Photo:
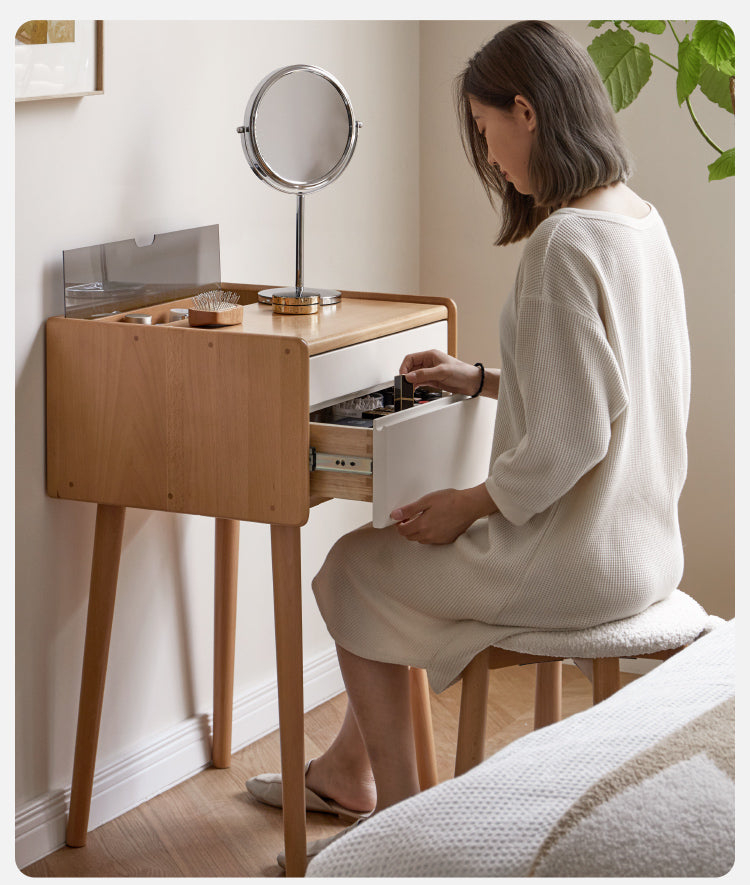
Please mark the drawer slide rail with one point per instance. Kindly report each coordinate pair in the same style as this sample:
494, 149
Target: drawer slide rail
332, 463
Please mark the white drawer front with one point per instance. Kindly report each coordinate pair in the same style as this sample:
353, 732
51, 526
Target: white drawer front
360, 368
444, 444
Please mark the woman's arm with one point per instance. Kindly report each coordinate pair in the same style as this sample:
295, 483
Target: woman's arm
433, 368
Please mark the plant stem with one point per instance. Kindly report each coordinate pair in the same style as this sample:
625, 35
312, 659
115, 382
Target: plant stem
654, 55
687, 100
671, 28
700, 128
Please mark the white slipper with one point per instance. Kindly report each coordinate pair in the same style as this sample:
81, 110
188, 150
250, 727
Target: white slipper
314, 848
266, 788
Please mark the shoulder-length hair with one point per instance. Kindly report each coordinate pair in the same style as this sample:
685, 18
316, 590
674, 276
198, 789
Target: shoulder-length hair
577, 145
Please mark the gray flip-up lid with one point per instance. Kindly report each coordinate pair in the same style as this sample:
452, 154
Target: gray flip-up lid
124, 276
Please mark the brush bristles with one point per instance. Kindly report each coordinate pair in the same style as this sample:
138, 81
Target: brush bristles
215, 299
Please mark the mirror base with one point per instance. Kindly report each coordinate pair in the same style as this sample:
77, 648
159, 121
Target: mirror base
325, 296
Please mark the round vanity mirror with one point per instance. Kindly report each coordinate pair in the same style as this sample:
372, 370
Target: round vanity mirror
298, 136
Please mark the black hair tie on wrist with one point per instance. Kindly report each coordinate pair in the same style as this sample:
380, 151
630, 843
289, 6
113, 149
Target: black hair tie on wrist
481, 383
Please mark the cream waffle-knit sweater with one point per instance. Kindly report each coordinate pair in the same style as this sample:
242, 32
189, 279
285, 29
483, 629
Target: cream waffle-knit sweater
588, 461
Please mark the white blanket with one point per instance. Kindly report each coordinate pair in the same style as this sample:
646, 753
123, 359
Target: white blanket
639, 785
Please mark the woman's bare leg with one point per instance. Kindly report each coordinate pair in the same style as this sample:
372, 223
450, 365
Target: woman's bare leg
375, 745
379, 695
343, 772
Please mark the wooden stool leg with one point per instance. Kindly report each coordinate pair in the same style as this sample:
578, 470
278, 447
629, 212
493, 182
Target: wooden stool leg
287, 599
424, 739
226, 556
606, 678
548, 697
105, 564
472, 719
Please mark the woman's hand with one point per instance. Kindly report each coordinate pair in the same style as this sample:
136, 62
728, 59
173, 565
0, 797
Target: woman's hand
440, 517
433, 368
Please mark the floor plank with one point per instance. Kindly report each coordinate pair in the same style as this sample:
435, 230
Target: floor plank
209, 826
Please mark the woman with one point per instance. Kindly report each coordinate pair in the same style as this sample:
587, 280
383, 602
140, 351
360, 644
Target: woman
576, 524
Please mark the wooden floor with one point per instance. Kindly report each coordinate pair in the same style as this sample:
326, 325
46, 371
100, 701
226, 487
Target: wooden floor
209, 826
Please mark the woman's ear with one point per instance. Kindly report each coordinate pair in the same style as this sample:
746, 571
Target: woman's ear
522, 106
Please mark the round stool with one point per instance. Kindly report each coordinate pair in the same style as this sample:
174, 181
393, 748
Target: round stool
659, 632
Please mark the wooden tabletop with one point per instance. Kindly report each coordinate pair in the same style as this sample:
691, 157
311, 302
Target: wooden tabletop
340, 325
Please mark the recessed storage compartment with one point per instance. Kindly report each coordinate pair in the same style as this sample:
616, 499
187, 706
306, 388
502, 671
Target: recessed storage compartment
445, 443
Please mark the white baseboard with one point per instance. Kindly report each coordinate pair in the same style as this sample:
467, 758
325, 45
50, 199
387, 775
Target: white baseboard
163, 762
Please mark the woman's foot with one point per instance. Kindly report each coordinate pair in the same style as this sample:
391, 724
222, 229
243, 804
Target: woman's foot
267, 788
346, 784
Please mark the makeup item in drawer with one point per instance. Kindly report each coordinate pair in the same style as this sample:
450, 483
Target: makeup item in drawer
353, 422
378, 413
354, 408
426, 395
387, 394
403, 393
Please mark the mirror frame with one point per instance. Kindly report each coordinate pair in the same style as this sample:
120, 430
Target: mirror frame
253, 153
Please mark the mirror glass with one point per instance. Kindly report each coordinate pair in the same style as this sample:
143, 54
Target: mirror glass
302, 127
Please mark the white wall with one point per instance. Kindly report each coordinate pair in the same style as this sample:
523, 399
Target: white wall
159, 152
458, 260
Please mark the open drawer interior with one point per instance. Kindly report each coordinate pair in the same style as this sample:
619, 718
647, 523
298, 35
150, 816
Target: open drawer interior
392, 457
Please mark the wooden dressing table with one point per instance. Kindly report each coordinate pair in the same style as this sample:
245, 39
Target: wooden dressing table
216, 422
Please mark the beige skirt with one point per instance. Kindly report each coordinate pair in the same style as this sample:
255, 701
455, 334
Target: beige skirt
434, 607
387, 599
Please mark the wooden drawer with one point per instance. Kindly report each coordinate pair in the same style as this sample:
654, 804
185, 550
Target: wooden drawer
444, 444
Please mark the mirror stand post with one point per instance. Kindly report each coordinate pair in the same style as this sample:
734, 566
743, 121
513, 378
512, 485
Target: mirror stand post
299, 299
300, 241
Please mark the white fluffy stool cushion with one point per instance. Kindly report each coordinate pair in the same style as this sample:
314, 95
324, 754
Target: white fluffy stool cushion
673, 622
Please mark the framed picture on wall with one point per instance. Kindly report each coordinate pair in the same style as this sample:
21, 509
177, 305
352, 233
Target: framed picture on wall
59, 59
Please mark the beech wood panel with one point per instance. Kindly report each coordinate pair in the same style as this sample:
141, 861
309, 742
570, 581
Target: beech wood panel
350, 322
106, 413
238, 434
340, 439
447, 303
411, 310
198, 422
361, 316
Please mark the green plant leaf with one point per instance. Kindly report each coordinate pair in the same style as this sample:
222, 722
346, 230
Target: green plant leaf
715, 40
624, 66
598, 24
715, 86
723, 167
654, 26
688, 69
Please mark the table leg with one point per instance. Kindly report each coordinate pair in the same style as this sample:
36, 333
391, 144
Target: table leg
287, 598
226, 557
424, 738
105, 564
